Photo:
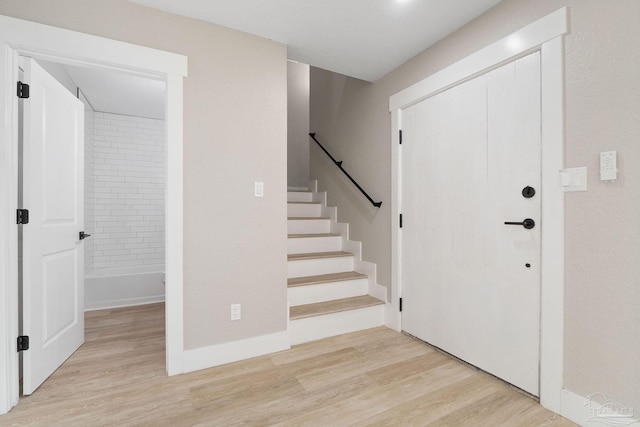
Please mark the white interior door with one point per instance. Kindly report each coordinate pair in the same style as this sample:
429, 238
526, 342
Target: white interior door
53, 259
471, 283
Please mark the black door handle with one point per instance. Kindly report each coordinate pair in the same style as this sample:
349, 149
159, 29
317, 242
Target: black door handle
527, 223
84, 235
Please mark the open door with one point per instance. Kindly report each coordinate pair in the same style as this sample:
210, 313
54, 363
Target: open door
53, 253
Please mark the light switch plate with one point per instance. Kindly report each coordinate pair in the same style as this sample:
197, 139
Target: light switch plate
573, 179
608, 166
236, 311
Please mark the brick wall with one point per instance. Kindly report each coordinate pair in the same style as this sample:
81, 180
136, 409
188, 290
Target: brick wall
128, 167
88, 187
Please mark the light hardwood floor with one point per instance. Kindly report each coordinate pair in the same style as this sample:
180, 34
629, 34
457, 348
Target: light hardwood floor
372, 378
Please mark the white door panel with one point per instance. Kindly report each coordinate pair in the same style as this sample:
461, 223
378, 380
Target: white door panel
53, 254
466, 156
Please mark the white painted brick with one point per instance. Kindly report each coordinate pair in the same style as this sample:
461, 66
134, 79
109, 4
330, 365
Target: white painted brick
125, 166
104, 264
122, 257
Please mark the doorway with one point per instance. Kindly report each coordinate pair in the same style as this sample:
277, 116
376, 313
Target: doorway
122, 240
25, 38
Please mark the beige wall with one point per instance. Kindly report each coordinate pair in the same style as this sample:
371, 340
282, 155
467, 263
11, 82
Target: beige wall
602, 315
235, 133
297, 124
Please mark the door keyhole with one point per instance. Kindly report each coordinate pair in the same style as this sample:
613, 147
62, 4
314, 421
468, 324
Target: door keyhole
528, 192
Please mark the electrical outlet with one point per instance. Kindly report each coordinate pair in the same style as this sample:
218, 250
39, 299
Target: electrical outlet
236, 311
258, 189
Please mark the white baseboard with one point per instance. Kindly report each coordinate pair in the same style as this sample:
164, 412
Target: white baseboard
221, 354
121, 303
578, 409
130, 288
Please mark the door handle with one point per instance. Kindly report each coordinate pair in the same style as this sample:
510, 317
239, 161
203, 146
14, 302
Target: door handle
84, 235
527, 223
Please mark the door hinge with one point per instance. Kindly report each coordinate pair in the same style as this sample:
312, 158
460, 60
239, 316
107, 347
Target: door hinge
23, 90
400, 304
400, 220
23, 343
22, 216
400, 136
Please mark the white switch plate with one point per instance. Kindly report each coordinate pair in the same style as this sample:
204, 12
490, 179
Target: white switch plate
236, 311
608, 166
573, 179
258, 189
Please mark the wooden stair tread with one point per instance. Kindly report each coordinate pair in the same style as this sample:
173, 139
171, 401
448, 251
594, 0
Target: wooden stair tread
302, 236
303, 203
317, 255
324, 278
298, 191
335, 306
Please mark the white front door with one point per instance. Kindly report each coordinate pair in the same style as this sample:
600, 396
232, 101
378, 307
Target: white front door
470, 282
53, 254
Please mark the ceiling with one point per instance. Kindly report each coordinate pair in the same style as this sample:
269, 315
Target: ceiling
112, 92
365, 39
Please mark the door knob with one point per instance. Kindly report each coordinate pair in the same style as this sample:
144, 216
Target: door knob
84, 235
527, 223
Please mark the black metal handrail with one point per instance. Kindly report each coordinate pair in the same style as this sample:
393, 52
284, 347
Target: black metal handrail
339, 164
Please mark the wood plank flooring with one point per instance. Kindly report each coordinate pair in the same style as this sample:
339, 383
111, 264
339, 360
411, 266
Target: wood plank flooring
371, 378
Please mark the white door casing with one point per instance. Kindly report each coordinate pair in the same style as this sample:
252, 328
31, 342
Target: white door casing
59, 45
53, 254
470, 282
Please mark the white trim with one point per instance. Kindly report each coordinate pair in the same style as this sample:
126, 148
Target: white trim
174, 228
57, 44
9, 375
575, 408
46, 42
545, 35
393, 317
504, 50
221, 354
552, 216
124, 302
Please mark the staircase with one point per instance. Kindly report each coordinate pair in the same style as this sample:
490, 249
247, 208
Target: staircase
331, 291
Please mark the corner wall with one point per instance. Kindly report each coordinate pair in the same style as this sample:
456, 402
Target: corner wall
297, 124
602, 237
235, 133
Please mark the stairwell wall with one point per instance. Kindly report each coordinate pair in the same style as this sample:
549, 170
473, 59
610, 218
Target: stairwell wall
235, 133
602, 238
297, 124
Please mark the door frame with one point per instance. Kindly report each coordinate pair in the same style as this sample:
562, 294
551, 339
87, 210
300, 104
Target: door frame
546, 36
25, 38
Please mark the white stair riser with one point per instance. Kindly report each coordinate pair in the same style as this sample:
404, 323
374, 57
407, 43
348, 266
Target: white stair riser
314, 267
303, 209
308, 226
330, 325
321, 292
302, 245
299, 196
